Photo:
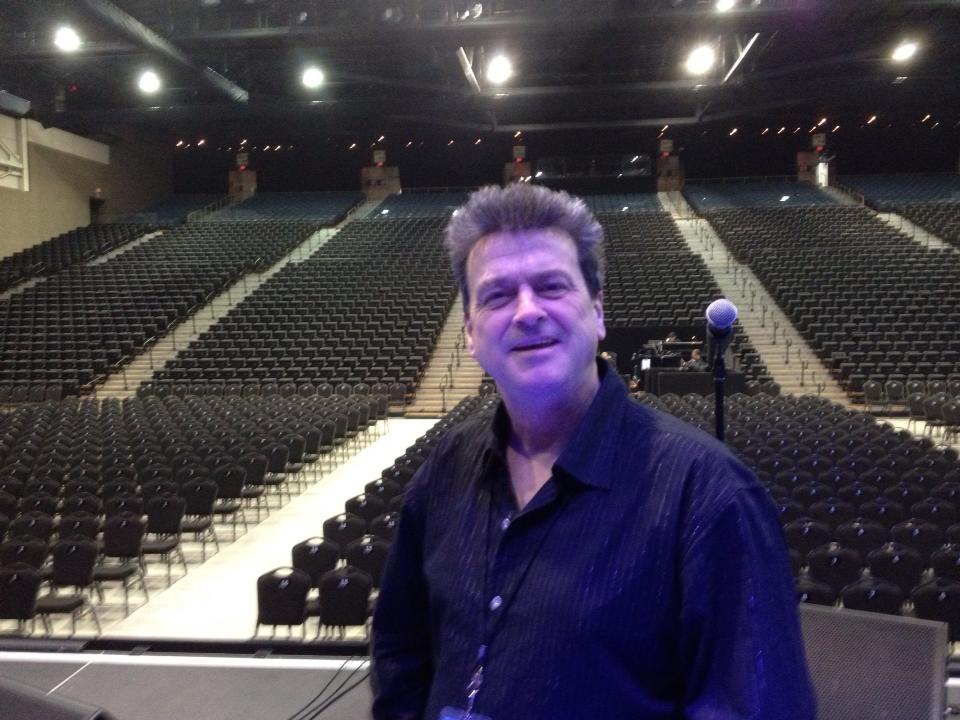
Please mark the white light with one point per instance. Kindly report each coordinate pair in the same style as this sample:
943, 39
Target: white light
900, 79
835, 128
624, 208
782, 130
733, 132
201, 142
243, 142
725, 5
765, 131
477, 141
784, 198
312, 77
149, 81
277, 147
384, 212
925, 118
66, 39
871, 119
517, 134
634, 158
664, 128
381, 138
822, 121
700, 60
904, 51
352, 146
179, 143
499, 70
539, 173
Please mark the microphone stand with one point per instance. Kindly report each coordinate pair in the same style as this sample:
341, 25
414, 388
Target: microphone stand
719, 378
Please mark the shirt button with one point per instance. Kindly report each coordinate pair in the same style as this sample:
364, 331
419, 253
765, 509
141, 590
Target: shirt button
496, 603
505, 523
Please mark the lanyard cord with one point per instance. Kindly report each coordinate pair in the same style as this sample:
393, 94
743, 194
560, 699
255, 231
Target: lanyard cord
490, 630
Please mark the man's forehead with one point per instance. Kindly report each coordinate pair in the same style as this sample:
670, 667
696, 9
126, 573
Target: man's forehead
549, 241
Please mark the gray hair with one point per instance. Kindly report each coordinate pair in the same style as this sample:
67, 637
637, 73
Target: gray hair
520, 206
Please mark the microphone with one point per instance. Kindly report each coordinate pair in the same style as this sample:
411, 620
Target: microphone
721, 314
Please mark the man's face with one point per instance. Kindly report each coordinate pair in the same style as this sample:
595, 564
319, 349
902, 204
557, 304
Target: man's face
531, 322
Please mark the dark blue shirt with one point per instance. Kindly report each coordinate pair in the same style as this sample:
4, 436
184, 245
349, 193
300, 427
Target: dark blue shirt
647, 580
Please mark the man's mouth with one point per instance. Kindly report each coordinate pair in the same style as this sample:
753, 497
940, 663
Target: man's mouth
537, 344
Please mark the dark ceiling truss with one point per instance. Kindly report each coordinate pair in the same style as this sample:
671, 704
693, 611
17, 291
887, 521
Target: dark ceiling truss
600, 65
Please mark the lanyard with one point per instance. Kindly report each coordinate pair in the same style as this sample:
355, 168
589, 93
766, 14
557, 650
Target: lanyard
497, 615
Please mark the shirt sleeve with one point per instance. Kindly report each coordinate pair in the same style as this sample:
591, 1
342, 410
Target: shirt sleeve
401, 646
740, 641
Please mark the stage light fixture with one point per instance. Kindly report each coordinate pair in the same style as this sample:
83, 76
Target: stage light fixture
700, 60
904, 51
312, 77
66, 39
149, 82
499, 70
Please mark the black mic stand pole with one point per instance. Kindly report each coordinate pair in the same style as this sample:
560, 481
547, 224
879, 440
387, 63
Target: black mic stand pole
719, 378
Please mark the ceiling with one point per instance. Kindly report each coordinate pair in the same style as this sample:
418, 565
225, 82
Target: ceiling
592, 64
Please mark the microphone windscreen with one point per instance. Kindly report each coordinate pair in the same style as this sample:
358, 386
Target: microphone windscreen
721, 314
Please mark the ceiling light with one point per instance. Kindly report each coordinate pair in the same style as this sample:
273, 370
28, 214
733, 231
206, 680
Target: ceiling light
624, 208
765, 131
243, 142
900, 79
201, 142
871, 119
784, 198
179, 143
352, 146
66, 39
904, 51
925, 118
539, 173
477, 141
822, 121
149, 81
516, 134
782, 130
312, 77
381, 138
725, 5
499, 70
664, 128
700, 60
733, 132
835, 128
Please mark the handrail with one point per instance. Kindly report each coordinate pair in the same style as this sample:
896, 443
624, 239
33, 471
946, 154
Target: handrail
732, 180
218, 204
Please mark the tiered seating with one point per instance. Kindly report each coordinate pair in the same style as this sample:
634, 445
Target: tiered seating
66, 250
174, 210
64, 334
322, 208
930, 200
69, 468
707, 197
622, 202
888, 192
367, 307
871, 303
653, 280
420, 204
869, 512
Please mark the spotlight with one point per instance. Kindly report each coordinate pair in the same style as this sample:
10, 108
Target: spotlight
701, 59
725, 5
872, 119
66, 39
312, 77
201, 142
149, 81
904, 51
733, 132
499, 70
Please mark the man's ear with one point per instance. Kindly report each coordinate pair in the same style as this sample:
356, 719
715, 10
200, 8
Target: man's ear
468, 331
598, 308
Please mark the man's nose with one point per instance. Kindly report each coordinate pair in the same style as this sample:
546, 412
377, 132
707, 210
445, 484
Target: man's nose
529, 309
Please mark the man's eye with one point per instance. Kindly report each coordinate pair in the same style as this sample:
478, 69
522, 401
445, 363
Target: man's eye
553, 289
495, 298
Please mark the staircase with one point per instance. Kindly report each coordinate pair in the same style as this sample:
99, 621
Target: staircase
790, 361
451, 374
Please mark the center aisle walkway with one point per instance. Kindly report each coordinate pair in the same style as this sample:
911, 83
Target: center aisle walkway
218, 600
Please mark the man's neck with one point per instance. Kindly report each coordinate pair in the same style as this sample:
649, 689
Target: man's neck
540, 428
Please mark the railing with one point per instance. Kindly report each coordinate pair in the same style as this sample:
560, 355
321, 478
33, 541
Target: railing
226, 201
740, 180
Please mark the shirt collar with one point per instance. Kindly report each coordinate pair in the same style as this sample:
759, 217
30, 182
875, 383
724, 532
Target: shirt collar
586, 456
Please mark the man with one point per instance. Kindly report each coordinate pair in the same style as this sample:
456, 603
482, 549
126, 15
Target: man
696, 363
574, 554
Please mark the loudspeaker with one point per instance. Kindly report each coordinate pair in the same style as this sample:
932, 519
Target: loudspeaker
25, 702
868, 665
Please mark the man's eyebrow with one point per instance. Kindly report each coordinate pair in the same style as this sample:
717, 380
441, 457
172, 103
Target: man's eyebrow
508, 280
